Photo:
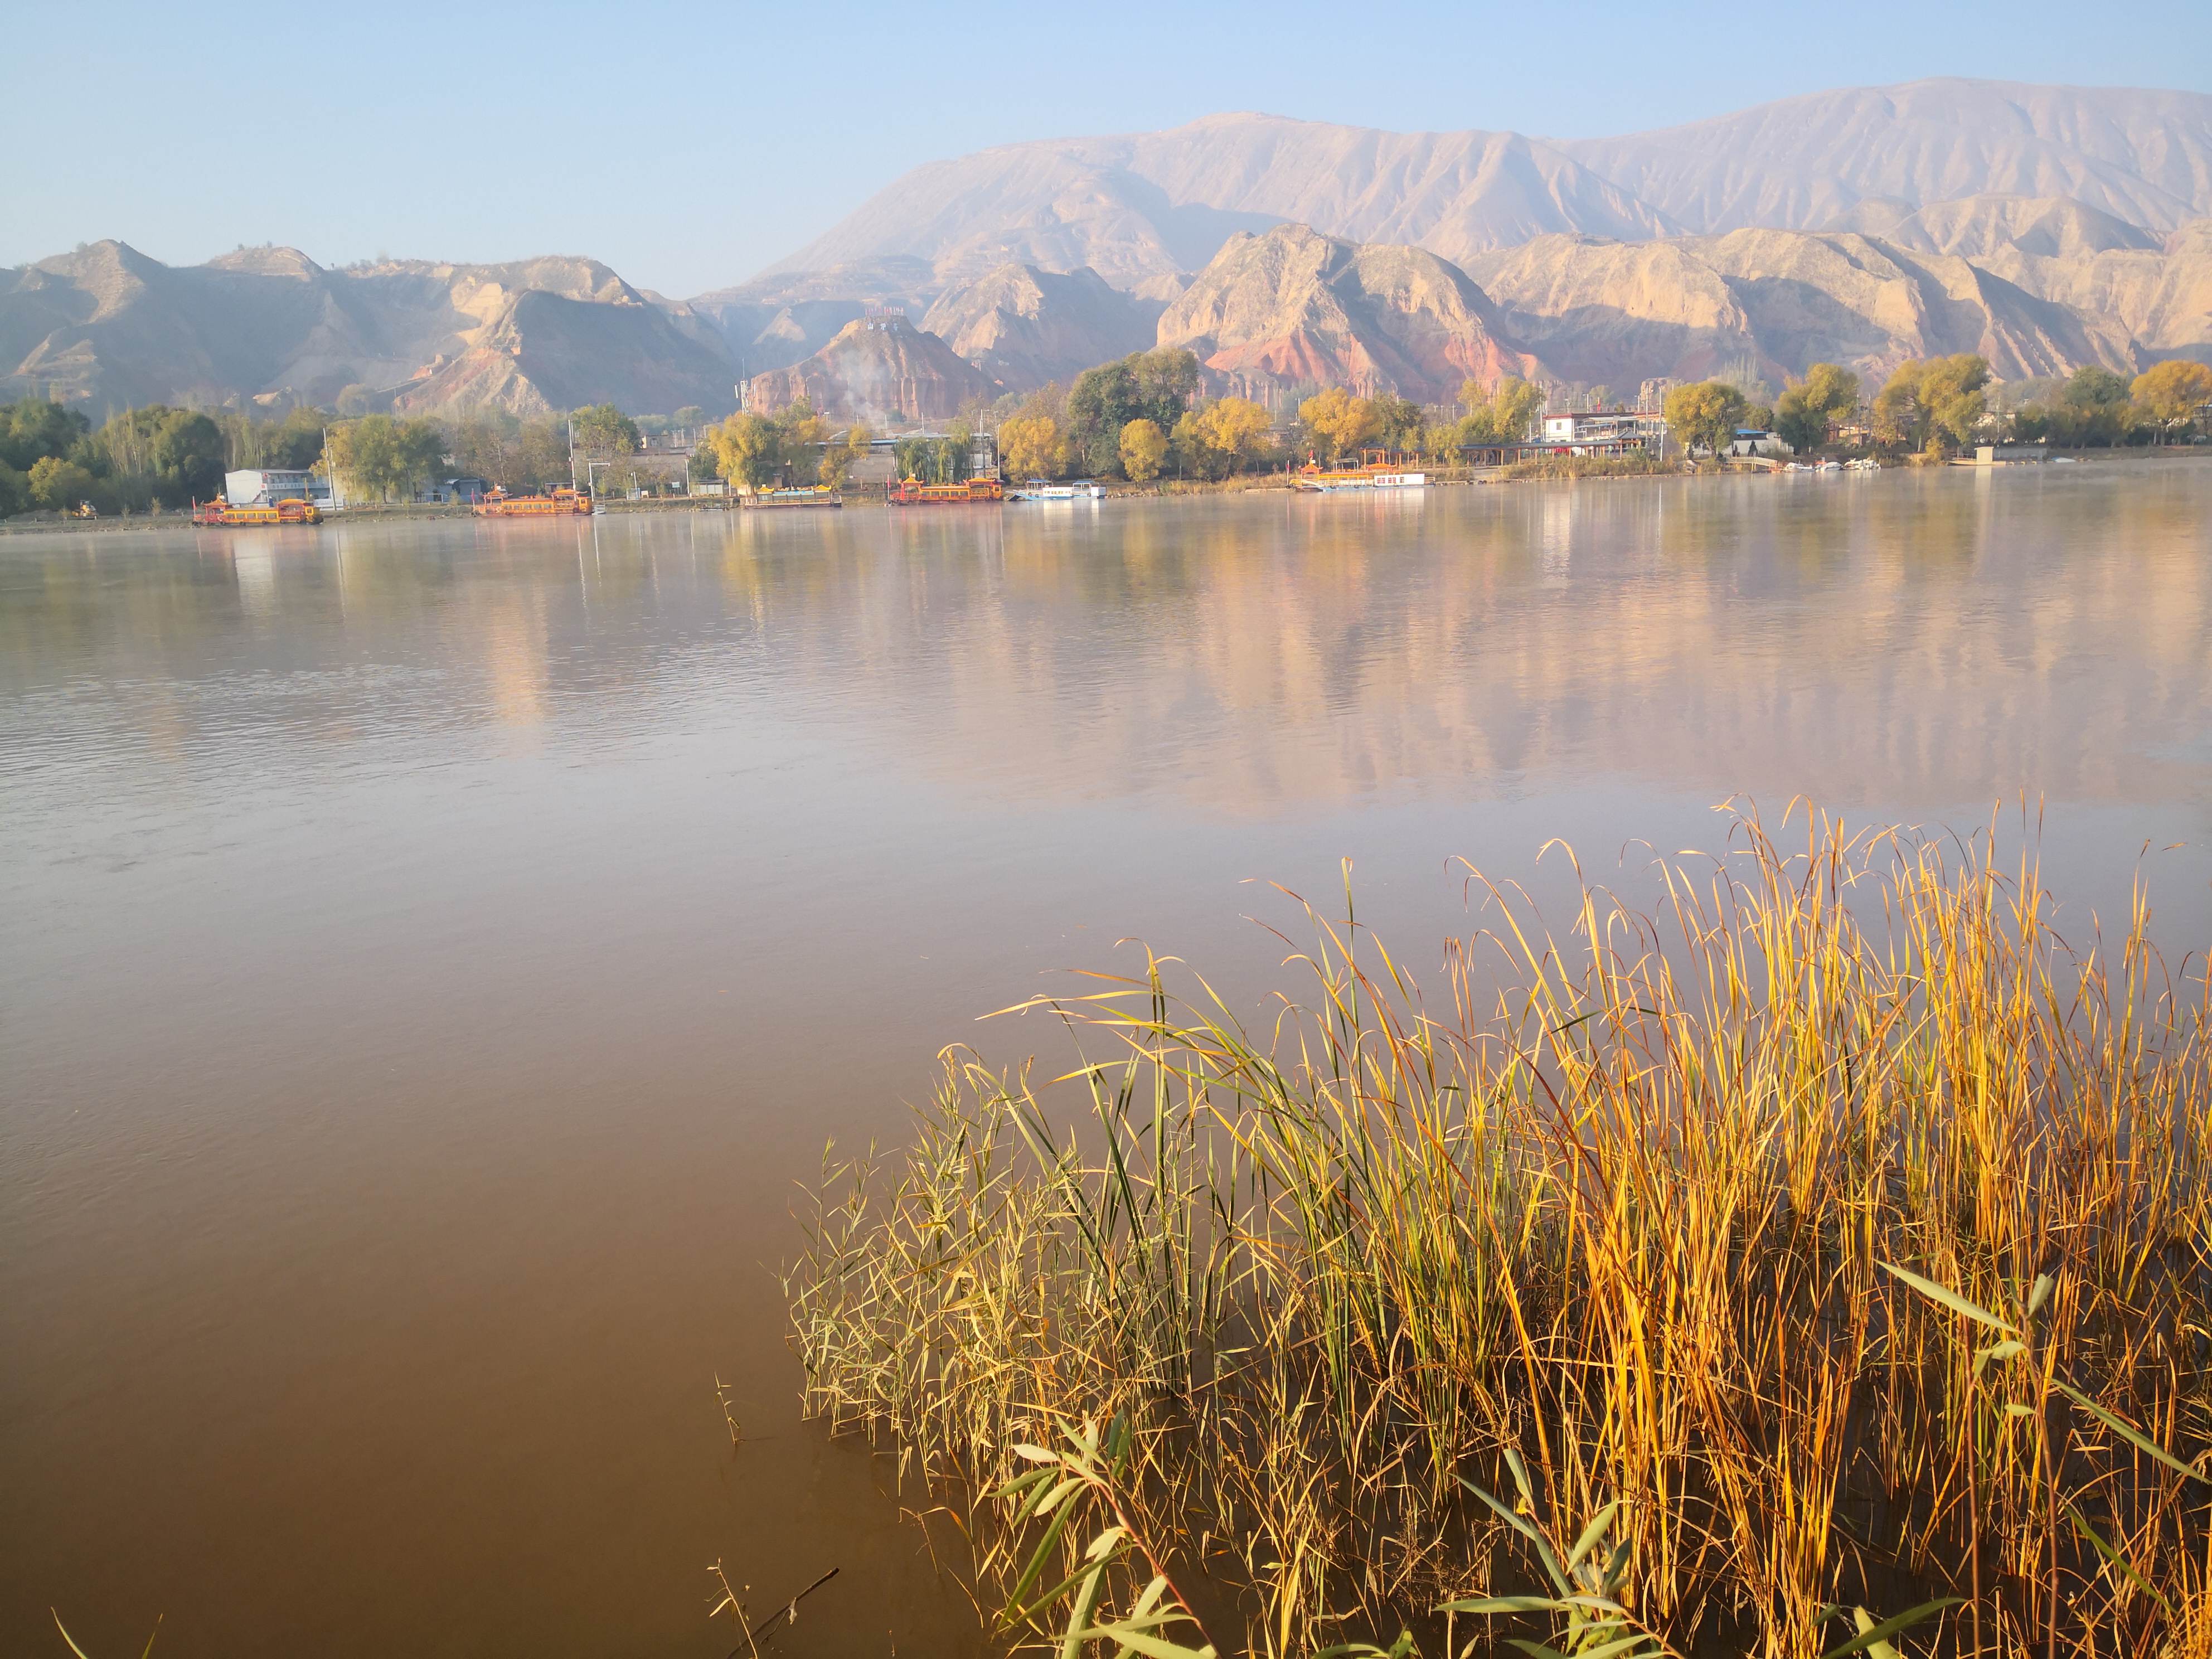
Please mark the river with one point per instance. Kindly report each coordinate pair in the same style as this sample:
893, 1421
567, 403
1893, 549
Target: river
431, 954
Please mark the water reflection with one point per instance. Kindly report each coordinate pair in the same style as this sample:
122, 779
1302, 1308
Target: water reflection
434, 950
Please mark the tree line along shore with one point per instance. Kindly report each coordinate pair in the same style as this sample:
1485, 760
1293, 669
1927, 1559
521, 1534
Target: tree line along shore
1143, 418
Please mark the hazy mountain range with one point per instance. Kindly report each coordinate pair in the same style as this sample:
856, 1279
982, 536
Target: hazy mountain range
2046, 226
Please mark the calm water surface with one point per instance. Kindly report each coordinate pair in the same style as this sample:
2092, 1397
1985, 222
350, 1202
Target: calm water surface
430, 954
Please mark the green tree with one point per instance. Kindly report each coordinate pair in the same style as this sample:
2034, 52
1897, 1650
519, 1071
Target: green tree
293, 443
603, 431
1705, 414
2092, 407
172, 455
419, 449
1808, 407
32, 428
1166, 379
365, 455
2172, 391
1396, 421
1143, 446
801, 437
1100, 403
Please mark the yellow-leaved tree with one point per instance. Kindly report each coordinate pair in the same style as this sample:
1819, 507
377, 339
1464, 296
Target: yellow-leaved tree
2172, 391
1339, 420
1032, 446
1926, 400
1233, 428
1705, 414
748, 449
837, 459
1499, 415
1143, 446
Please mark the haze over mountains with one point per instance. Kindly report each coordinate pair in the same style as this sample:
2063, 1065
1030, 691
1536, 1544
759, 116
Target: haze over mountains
2045, 227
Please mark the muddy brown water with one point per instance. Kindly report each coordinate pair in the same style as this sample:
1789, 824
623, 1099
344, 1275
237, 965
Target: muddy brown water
431, 953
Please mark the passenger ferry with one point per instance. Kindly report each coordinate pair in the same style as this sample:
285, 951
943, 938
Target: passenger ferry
498, 504
291, 510
912, 492
807, 495
1368, 478
1039, 489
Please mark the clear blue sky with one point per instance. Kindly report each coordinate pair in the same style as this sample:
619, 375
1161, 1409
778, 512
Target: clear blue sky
690, 145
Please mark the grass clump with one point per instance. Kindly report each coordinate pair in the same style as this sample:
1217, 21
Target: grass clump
1637, 465
1829, 1244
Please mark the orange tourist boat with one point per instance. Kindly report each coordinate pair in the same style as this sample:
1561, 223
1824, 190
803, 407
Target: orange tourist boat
498, 504
914, 493
291, 510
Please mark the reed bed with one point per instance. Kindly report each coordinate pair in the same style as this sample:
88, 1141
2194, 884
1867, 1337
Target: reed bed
1278, 1314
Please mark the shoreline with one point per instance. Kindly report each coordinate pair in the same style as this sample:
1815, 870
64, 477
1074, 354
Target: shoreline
1272, 484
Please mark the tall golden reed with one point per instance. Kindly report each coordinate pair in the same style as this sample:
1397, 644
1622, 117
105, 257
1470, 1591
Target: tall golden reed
1626, 1217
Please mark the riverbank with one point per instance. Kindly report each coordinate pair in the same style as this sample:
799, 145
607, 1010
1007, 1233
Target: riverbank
1566, 468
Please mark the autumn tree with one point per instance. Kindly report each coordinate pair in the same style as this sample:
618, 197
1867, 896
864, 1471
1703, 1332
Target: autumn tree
57, 483
1033, 446
1499, 415
1705, 415
1143, 446
1233, 428
838, 457
1806, 408
1340, 421
748, 450
1926, 400
2172, 391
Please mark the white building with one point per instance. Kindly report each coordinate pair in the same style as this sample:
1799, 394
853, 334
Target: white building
266, 486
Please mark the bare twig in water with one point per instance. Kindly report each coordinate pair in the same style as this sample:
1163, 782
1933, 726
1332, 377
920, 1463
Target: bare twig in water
722, 1399
789, 1611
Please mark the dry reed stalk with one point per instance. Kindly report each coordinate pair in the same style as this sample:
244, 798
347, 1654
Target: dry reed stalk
1628, 1215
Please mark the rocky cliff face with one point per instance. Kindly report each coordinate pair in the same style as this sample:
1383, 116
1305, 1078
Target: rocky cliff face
1150, 204
1769, 303
2142, 157
1293, 308
1022, 327
773, 322
107, 326
1140, 205
874, 368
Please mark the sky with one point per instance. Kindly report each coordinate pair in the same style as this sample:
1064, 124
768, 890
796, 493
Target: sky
687, 147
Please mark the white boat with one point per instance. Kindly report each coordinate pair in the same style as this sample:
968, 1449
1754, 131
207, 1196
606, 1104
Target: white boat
1364, 479
1038, 489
